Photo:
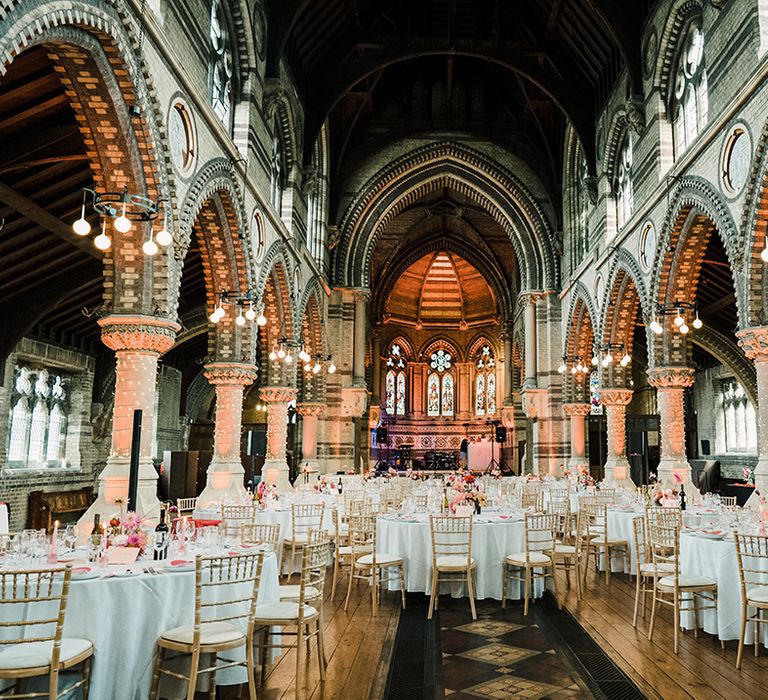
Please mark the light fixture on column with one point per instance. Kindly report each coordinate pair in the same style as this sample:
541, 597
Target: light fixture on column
681, 311
574, 364
764, 252
605, 354
243, 304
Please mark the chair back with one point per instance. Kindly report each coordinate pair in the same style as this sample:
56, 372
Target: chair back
664, 543
539, 534
226, 590
752, 554
186, 505
532, 499
596, 514
314, 561
728, 500
669, 515
451, 535
362, 535
305, 517
420, 502
606, 495
642, 549
562, 511
33, 604
261, 533
559, 493
234, 517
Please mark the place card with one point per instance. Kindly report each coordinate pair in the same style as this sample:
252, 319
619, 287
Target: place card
122, 555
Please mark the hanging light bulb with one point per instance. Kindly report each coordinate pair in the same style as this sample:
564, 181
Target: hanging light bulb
595, 360
281, 352
331, 368
122, 222
273, 356
288, 358
697, 322
764, 253
214, 317
605, 362
684, 328
262, 319
625, 360
164, 237
250, 314
102, 241
240, 320
81, 227
561, 369
679, 320
316, 369
150, 247
608, 358
307, 367
573, 370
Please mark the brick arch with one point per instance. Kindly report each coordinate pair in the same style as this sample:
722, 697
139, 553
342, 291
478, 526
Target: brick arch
311, 386
618, 131
580, 339
97, 39
435, 343
274, 288
281, 113
696, 212
481, 339
432, 168
404, 342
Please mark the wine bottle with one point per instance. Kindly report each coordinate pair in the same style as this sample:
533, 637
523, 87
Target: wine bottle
96, 532
682, 497
161, 538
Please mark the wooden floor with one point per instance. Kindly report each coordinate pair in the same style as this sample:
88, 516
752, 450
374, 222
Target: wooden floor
702, 670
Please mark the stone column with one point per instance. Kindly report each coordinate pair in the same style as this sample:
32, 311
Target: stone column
376, 368
275, 469
358, 364
310, 413
577, 412
617, 464
509, 369
137, 341
529, 320
225, 472
754, 342
670, 383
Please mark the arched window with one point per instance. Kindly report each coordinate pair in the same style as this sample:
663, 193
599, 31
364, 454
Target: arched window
739, 418
485, 382
623, 182
440, 385
689, 106
277, 171
394, 385
221, 65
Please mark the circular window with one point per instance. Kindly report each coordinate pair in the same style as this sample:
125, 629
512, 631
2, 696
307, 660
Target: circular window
599, 290
647, 245
736, 160
182, 137
257, 234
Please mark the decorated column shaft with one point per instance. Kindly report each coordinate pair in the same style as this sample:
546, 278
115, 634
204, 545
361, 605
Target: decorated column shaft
671, 383
358, 358
138, 341
617, 464
225, 472
310, 416
577, 412
508, 368
754, 342
529, 322
275, 470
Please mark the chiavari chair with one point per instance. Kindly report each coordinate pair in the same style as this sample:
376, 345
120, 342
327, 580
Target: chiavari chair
185, 506
533, 500
567, 552
644, 566
451, 557
234, 517
728, 501
261, 533
599, 540
304, 517
752, 553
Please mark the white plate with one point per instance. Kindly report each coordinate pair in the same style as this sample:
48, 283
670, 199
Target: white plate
84, 575
711, 535
181, 567
127, 573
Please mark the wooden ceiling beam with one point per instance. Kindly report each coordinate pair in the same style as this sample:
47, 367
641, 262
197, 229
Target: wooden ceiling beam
26, 164
46, 106
283, 15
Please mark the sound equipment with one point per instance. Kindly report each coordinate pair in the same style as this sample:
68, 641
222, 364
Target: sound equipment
381, 436
501, 433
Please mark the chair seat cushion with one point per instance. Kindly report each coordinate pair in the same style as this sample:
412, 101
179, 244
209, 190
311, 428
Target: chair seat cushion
382, 559
612, 542
687, 581
211, 633
648, 569
299, 539
284, 610
561, 548
344, 550
518, 559
292, 592
759, 594
453, 561
37, 654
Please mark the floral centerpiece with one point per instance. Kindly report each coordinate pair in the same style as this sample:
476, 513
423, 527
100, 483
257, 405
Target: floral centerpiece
392, 472
266, 492
127, 532
584, 478
411, 473
465, 491
325, 484
749, 476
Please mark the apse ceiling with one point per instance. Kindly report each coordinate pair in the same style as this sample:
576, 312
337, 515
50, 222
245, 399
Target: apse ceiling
441, 290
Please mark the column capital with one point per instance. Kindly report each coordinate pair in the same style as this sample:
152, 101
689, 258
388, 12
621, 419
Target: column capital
671, 377
230, 373
277, 394
530, 296
139, 333
361, 294
310, 409
576, 409
754, 342
615, 397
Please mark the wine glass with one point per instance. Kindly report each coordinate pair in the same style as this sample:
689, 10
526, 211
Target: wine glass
70, 537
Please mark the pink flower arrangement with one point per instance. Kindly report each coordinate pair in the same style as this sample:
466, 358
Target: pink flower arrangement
391, 472
128, 533
265, 490
678, 478
749, 475
325, 484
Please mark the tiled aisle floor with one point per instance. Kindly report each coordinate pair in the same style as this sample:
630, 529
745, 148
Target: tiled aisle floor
501, 655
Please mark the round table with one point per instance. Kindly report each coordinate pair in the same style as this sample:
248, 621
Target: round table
493, 538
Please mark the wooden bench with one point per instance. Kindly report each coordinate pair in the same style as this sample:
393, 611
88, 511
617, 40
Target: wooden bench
44, 508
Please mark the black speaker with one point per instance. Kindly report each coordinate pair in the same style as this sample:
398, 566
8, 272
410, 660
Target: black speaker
705, 449
501, 433
381, 436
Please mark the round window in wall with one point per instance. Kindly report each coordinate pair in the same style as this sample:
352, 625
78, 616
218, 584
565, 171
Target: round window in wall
736, 160
599, 290
257, 234
647, 246
182, 137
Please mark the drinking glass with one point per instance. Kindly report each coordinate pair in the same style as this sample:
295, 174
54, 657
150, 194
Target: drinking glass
70, 537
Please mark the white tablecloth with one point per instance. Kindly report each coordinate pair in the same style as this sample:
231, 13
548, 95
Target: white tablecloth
123, 618
3, 518
493, 538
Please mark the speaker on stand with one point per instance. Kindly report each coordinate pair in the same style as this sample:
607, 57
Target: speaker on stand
382, 438
498, 435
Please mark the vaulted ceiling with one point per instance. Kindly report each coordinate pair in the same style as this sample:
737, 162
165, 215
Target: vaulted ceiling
547, 60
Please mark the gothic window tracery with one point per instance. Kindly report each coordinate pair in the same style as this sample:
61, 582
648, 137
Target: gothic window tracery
485, 382
221, 65
440, 385
395, 381
623, 183
689, 95
738, 416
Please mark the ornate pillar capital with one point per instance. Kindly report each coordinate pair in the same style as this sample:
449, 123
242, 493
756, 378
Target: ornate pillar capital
671, 377
310, 409
576, 409
138, 333
361, 294
615, 397
230, 373
754, 342
277, 394
530, 297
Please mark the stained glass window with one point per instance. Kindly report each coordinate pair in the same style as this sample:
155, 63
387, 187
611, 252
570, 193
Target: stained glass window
433, 394
623, 184
596, 408
400, 407
485, 382
447, 397
389, 403
480, 394
490, 392
441, 360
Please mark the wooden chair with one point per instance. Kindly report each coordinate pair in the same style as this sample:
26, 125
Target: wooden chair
670, 515
606, 495
669, 585
369, 565
567, 552
451, 555
304, 619
533, 499
728, 501
599, 540
234, 517
644, 566
32, 602
538, 554
752, 553
226, 594
261, 533
304, 517
185, 506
